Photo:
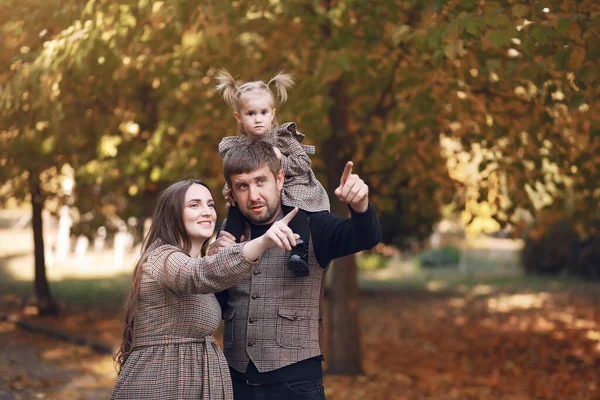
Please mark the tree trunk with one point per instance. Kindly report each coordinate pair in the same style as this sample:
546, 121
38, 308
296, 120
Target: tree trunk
344, 333
45, 302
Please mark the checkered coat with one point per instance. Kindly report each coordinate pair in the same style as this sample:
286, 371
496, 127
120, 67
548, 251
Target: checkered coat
175, 355
301, 188
272, 318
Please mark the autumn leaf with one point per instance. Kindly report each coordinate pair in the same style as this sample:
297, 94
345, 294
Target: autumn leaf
577, 58
520, 10
500, 37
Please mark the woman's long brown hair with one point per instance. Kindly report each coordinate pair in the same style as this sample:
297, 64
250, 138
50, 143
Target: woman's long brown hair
168, 226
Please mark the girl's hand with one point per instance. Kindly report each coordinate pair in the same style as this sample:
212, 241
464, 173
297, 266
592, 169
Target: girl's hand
277, 152
228, 197
224, 240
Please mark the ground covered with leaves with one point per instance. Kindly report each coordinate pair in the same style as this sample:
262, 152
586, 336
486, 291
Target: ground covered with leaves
475, 342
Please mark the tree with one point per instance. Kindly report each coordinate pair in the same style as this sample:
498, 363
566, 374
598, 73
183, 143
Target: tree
378, 82
25, 152
135, 78
521, 86
358, 74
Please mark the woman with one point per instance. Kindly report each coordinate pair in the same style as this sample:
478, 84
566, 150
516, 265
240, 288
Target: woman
168, 351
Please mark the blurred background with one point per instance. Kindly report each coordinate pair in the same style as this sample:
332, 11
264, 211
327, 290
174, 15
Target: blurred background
475, 123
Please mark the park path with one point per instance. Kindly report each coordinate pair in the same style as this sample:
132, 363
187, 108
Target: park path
479, 343
34, 366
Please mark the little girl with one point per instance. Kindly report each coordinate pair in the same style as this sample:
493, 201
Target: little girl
253, 104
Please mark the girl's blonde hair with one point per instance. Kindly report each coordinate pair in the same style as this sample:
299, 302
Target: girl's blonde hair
232, 93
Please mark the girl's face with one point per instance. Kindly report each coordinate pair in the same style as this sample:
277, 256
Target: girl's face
199, 214
256, 115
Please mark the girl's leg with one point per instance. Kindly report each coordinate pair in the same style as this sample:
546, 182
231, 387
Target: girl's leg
298, 261
235, 223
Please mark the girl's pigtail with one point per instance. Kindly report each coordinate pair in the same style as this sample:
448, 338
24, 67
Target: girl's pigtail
227, 87
282, 82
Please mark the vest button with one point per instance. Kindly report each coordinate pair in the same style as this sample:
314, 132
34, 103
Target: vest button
250, 344
251, 320
295, 316
255, 296
256, 272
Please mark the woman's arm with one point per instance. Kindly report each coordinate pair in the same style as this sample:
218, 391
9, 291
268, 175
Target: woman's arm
179, 272
174, 269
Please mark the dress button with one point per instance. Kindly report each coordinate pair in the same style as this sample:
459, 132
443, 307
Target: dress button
251, 320
250, 344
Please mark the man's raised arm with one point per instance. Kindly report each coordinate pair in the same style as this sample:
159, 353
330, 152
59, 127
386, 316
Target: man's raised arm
334, 236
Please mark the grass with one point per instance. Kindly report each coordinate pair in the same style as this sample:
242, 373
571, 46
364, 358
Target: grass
460, 283
95, 284
78, 284
483, 264
106, 294
102, 294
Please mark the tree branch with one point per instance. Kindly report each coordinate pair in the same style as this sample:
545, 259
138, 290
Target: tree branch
381, 109
324, 26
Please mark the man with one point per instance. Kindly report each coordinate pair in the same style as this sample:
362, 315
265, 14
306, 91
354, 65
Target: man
272, 319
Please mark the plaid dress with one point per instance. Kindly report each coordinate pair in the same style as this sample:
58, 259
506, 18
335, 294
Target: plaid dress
175, 355
301, 187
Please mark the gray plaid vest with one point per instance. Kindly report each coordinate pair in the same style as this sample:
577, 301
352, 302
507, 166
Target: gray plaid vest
272, 318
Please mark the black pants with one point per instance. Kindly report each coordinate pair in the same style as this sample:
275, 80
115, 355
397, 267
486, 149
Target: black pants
298, 390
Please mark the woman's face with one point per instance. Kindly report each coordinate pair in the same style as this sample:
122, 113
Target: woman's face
199, 214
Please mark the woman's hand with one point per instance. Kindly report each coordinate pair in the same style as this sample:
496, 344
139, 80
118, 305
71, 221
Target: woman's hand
279, 234
277, 152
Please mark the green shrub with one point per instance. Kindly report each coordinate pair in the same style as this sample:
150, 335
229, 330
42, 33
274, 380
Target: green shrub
371, 261
442, 257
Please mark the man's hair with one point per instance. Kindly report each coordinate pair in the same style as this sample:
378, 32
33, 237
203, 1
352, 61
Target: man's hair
250, 155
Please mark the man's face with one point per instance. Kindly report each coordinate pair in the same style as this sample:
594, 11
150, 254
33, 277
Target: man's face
258, 194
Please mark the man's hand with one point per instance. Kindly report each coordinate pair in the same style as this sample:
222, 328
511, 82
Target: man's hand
353, 190
224, 239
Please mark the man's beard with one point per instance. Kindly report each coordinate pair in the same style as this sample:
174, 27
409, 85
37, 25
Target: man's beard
267, 217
